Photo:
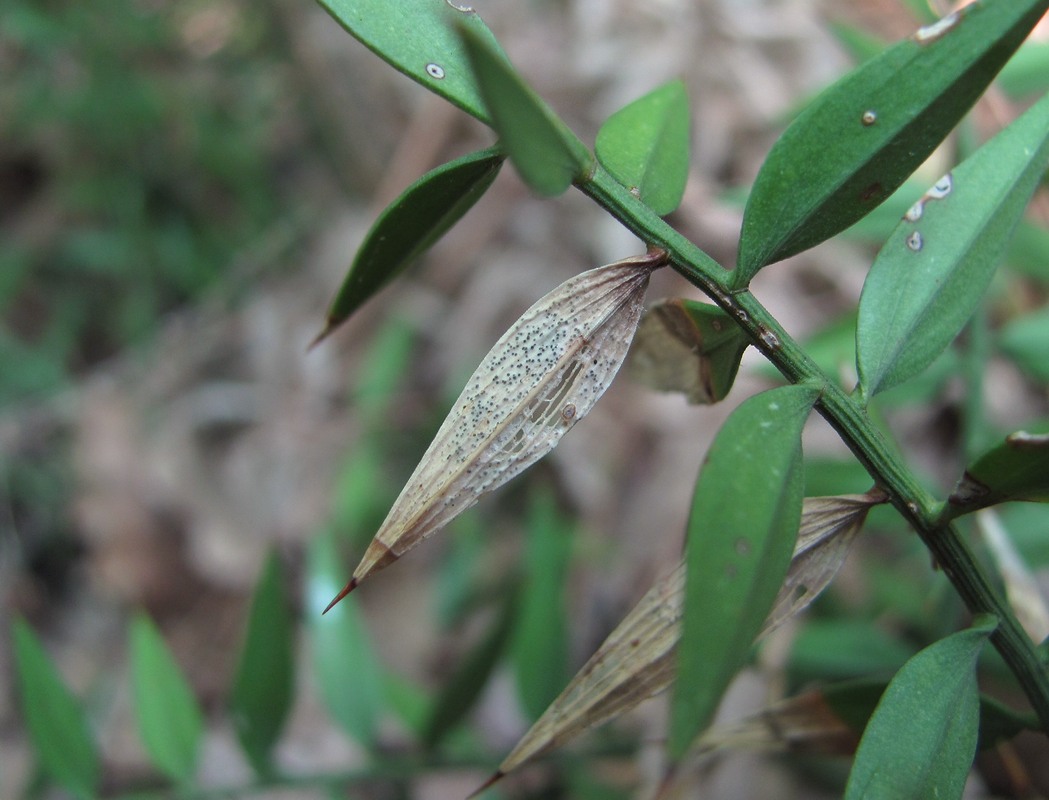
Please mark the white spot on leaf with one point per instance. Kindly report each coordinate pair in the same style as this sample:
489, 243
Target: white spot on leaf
435, 71
941, 188
930, 33
915, 241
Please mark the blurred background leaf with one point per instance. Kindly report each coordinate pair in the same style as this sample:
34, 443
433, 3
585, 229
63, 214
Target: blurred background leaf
169, 719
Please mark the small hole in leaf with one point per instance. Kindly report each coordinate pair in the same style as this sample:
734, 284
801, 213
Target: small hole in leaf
435, 71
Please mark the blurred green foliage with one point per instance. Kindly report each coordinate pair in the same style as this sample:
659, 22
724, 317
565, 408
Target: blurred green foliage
139, 144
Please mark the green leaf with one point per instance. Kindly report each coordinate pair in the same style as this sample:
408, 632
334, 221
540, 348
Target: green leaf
545, 152
465, 685
645, 146
922, 736
1026, 342
263, 687
854, 702
1017, 469
689, 347
418, 38
409, 226
741, 532
929, 277
57, 727
862, 137
348, 672
540, 640
169, 719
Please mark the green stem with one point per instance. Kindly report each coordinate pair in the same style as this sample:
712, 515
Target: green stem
851, 422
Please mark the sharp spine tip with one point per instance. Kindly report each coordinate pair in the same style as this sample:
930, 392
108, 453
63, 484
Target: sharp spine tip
349, 587
486, 785
320, 337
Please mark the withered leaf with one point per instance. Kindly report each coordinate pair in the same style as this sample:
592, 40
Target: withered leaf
688, 347
637, 660
544, 374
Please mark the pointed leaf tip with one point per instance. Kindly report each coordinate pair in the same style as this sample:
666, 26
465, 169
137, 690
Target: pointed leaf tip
496, 776
349, 587
645, 146
546, 153
320, 337
409, 226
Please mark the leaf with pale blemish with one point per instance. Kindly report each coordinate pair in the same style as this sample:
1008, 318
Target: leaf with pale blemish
418, 38
540, 378
862, 137
638, 659
689, 347
932, 273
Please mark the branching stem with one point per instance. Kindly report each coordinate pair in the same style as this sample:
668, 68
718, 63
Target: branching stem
849, 418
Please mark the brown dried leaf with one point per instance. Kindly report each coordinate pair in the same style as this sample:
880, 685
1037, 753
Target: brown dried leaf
805, 724
540, 378
637, 660
828, 527
687, 347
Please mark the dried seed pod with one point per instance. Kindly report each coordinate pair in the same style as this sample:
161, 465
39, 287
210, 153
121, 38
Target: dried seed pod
637, 660
540, 378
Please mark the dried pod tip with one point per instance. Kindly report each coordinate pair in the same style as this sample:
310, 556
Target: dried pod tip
349, 587
320, 337
486, 785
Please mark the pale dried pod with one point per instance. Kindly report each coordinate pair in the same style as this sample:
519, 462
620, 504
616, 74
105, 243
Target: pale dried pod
638, 659
542, 377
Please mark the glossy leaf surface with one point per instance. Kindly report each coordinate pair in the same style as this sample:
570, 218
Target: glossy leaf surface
862, 137
931, 274
745, 516
409, 226
922, 736
688, 347
263, 687
56, 724
1016, 469
169, 718
418, 38
645, 146
347, 670
546, 154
